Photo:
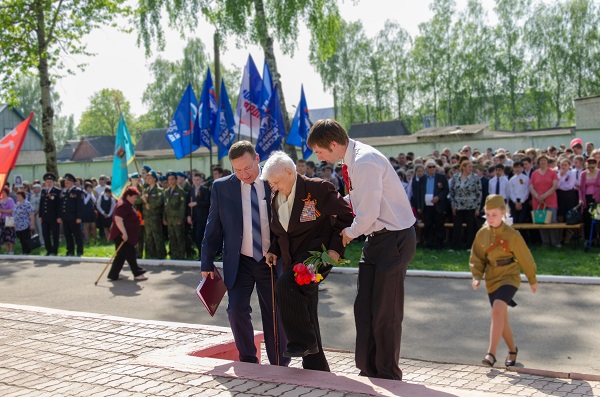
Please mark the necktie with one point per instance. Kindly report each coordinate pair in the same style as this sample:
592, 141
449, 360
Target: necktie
498, 186
348, 183
256, 231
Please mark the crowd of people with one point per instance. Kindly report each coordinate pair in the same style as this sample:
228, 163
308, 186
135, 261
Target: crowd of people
443, 187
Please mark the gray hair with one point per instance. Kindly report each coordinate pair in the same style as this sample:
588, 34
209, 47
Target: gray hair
277, 163
430, 162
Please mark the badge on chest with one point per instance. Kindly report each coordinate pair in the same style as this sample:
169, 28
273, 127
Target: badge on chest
309, 210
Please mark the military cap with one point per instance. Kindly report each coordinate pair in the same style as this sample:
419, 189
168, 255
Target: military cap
153, 174
171, 173
147, 168
494, 201
69, 177
135, 175
49, 175
163, 178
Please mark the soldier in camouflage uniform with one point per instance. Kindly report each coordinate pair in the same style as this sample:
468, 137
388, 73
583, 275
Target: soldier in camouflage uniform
153, 199
183, 183
174, 217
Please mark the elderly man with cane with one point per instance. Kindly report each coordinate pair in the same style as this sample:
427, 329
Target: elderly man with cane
307, 214
125, 232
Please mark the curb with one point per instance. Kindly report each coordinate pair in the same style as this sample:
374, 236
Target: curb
342, 270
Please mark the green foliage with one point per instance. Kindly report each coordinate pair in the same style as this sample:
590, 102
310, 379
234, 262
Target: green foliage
102, 115
521, 72
172, 77
26, 99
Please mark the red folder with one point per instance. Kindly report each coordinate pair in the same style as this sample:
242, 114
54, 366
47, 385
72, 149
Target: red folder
211, 292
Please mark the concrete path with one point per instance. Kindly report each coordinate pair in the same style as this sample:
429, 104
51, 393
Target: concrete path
49, 352
555, 329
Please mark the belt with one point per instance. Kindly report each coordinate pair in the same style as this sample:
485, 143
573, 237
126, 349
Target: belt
378, 232
504, 262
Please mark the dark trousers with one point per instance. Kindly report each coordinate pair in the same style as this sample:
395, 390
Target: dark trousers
24, 238
298, 308
50, 232
379, 305
72, 231
252, 273
126, 253
434, 230
468, 217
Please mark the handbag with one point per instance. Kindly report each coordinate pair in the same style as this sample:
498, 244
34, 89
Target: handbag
34, 242
9, 221
573, 216
541, 216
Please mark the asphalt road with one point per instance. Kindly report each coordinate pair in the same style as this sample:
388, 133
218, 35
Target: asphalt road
445, 320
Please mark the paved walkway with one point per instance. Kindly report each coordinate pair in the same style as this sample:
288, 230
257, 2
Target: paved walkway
48, 352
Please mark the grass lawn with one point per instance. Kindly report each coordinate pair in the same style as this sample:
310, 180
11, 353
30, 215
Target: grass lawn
568, 260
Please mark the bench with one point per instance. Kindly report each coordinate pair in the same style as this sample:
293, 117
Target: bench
526, 226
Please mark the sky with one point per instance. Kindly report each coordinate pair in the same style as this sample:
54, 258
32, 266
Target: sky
120, 64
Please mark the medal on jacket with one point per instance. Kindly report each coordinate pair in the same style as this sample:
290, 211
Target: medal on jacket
309, 211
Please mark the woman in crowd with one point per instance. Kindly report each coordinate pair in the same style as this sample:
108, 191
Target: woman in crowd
542, 186
105, 206
126, 229
89, 214
498, 254
24, 222
415, 186
589, 192
7, 233
566, 194
465, 197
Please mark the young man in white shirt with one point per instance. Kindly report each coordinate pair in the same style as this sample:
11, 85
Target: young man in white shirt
518, 193
383, 214
499, 182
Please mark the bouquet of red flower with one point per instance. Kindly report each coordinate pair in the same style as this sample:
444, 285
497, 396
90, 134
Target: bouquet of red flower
316, 267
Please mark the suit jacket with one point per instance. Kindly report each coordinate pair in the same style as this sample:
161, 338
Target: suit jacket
71, 204
224, 228
50, 204
440, 190
485, 191
199, 213
305, 234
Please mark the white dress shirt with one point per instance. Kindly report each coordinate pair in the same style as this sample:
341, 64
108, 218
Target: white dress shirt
518, 188
247, 245
503, 184
566, 181
378, 198
284, 207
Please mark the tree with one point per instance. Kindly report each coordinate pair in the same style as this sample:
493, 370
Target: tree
37, 34
172, 77
64, 129
102, 115
395, 46
250, 21
511, 51
27, 96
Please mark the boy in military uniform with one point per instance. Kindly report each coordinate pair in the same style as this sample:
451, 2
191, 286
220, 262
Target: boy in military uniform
48, 214
153, 199
71, 213
174, 216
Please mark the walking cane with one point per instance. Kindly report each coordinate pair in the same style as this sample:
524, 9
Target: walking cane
112, 258
275, 331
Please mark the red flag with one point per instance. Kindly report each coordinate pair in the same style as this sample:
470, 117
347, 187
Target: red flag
10, 146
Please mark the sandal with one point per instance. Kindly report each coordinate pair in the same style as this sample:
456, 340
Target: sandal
487, 362
509, 362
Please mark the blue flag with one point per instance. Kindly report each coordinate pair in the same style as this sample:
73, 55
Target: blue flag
300, 127
180, 128
225, 131
272, 129
267, 89
248, 109
123, 156
207, 114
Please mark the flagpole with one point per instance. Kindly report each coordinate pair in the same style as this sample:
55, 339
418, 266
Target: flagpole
137, 169
240, 125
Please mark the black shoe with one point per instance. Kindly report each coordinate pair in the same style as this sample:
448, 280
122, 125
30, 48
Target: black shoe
70, 254
142, 271
298, 352
487, 362
509, 362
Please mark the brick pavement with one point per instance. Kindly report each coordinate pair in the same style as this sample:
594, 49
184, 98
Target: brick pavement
47, 352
